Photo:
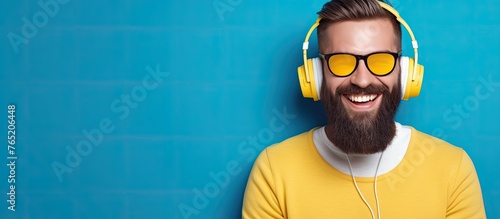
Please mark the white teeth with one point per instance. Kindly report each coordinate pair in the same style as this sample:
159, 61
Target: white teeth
362, 98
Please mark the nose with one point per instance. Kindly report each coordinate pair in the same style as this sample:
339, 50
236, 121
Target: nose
362, 76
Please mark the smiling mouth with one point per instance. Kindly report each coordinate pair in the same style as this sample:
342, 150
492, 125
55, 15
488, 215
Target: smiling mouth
361, 98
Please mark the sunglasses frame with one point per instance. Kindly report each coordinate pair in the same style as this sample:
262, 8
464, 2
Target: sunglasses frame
396, 55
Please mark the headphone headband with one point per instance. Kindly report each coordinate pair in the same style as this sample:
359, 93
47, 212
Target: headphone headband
414, 42
305, 46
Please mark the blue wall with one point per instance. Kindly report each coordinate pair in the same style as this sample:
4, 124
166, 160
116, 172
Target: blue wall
131, 109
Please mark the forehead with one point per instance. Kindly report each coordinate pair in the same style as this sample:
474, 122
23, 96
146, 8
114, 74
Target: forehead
361, 37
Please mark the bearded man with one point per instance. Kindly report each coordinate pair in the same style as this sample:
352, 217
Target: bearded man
362, 164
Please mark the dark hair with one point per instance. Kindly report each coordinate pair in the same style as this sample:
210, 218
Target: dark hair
354, 10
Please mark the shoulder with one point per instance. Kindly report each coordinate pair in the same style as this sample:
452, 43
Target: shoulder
422, 144
429, 142
455, 168
289, 152
296, 144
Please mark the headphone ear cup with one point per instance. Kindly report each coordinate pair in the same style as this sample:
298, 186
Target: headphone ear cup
411, 83
311, 80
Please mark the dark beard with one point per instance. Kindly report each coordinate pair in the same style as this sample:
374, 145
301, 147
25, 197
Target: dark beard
364, 133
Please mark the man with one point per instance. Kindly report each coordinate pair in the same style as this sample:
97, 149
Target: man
362, 164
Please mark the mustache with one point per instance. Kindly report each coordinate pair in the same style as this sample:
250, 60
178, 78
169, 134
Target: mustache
354, 89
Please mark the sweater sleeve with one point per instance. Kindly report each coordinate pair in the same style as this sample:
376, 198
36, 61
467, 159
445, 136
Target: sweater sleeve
466, 199
260, 201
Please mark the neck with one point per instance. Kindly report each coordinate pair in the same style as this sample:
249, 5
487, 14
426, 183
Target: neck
364, 165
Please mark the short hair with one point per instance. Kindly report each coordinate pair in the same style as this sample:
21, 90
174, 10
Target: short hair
354, 10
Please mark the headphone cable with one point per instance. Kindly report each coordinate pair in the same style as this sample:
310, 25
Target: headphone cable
374, 187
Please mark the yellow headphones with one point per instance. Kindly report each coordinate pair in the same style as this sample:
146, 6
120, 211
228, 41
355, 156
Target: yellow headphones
412, 73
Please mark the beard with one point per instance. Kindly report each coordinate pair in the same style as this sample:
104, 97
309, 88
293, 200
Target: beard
361, 132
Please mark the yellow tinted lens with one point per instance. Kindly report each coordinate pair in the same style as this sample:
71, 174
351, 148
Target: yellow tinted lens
342, 64
381, 63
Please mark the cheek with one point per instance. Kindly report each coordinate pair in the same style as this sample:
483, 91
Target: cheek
332, 82
392, 79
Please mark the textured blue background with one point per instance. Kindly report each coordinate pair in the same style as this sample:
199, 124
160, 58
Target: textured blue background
229, 72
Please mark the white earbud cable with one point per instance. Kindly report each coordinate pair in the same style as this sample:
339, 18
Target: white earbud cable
374, 189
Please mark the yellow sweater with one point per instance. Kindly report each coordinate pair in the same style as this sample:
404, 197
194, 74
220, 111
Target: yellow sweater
434, 180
